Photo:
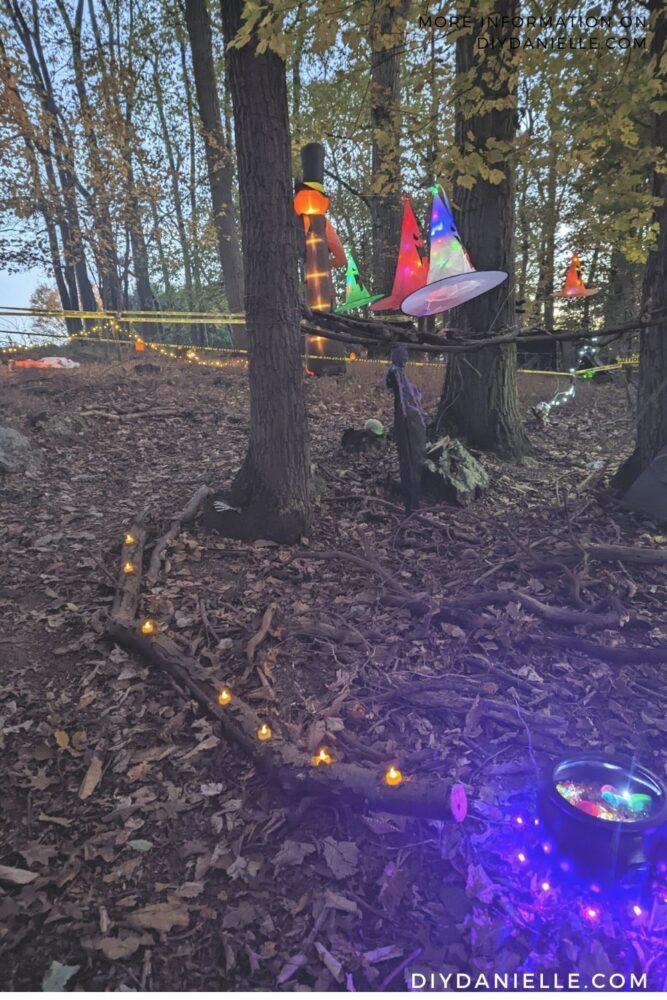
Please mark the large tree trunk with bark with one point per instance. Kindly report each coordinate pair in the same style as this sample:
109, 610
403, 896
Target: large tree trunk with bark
386, 204
479, 401
272, 486
218, 154
652, 394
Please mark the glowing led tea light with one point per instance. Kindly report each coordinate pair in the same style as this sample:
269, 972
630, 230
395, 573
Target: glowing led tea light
637, 910
323, 757
522, 857
393, 776
129, 539
225, 697
545, 887
128, 567
263, 733
591, 913
148, 626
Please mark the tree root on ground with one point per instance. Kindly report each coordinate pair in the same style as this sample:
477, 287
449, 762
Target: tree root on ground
187, 515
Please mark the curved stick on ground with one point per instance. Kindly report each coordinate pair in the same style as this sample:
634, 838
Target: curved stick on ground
559, 616
188, 514
609, 654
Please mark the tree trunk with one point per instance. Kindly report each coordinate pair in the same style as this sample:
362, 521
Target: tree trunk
117, 77
61, 151
652, 394
195, 250
480, 401
272, 485
524, 229
624, 284
543, 308
590, 282
35, 150
386, 204
175, 184
218, 154
99, 198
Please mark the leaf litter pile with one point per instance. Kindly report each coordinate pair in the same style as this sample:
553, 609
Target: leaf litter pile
141, 849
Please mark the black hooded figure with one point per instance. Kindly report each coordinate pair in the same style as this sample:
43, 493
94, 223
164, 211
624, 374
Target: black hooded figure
409, 428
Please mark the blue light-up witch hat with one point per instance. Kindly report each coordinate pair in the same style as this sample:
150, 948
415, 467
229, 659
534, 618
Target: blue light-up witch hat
452, 280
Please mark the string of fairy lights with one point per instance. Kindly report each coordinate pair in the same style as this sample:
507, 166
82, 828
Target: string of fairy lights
191, 355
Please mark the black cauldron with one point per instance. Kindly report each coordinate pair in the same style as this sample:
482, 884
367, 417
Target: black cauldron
601, 846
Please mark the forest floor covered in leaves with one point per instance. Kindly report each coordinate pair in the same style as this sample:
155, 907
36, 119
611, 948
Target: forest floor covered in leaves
149, 852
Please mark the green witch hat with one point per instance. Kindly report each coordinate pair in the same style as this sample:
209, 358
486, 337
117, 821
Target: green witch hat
356, 293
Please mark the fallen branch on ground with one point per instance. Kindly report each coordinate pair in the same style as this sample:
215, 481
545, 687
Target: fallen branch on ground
128, 587
420, 603
610, 654
286, 768
635, 554
559, 616
188, 514
140, 415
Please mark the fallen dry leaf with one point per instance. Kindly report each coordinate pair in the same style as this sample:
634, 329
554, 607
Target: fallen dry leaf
161, 916
91, 779
115, 948
342, 856
18, 876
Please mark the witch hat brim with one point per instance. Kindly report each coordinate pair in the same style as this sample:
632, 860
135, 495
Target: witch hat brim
357, 303
447, 293
585, 293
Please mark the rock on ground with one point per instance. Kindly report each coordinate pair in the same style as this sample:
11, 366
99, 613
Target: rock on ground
16, 452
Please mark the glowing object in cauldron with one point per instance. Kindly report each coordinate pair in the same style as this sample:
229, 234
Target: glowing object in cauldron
606, 803
224, 697
393, 776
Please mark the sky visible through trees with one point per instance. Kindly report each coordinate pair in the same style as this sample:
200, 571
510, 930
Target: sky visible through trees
128, 135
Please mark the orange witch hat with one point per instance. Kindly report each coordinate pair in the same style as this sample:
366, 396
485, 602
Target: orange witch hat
574, 286
411, 269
